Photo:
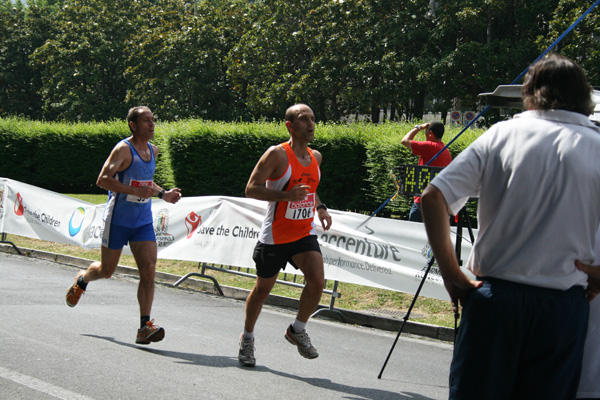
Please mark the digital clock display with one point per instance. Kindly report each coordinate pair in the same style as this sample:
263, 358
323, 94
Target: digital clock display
413, 179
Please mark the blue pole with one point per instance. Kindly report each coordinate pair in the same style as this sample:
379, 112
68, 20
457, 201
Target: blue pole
561, 37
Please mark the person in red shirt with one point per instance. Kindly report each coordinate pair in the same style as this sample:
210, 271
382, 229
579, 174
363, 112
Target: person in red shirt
426, 150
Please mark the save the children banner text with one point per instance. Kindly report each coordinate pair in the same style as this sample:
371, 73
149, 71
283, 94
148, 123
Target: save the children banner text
383, 253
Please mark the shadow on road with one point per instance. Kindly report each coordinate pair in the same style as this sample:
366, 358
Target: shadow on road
353, 392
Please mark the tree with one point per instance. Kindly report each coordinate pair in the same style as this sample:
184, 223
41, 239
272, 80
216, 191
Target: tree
83, 65
178, 63
485, 43
269, 66
22, 30
582, 43
86, 60
342, 57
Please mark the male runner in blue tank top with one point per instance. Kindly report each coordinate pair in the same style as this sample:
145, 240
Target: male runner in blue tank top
128, 176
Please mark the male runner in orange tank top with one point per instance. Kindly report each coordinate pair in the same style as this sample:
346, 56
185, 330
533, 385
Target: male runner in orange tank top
287, 176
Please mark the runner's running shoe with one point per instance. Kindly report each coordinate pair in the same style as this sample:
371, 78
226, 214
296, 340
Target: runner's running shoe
246, 354
75, 292
150, 333
305, 348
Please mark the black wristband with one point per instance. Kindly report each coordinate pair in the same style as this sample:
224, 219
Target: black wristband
161, 193
322, 205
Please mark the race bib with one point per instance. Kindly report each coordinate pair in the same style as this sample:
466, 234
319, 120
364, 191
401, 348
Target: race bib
135, 199
302, 209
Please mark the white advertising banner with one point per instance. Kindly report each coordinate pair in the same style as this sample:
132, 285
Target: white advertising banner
384, 253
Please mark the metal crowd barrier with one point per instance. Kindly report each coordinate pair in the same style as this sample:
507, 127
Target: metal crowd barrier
238, 271
3, 240
231, 270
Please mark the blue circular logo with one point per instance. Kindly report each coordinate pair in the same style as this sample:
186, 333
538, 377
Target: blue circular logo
76, 221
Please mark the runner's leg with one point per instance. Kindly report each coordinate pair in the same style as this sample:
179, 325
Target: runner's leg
145, 256
311, 265
256, 299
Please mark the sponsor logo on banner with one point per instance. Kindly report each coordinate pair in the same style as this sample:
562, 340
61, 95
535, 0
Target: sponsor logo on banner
206, 235
434, 273
93, 232
427, 252
378, 253
19, 209
350, 264
192, 221
35, 216
161, 225
76, 221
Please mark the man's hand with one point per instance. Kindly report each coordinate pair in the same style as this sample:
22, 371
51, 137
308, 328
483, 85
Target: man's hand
593, 272
325, 219
459, 287
144, 192
298, 192
172, 195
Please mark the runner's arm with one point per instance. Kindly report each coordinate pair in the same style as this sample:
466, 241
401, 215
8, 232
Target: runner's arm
271, 165
119, 159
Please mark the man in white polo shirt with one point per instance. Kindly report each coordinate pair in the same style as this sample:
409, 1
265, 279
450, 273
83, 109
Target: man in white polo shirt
537, 178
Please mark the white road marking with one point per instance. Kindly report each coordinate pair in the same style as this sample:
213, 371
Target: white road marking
40, 386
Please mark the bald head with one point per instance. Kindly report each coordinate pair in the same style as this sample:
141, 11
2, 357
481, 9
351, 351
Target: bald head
293, 111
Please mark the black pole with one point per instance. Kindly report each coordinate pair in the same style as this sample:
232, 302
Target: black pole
463, 217
407, 315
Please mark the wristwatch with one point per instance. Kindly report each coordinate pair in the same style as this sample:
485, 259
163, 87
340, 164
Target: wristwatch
161, 193
418, 127
322, 205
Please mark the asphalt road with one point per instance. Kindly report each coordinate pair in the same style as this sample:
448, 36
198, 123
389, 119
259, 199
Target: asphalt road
50, 351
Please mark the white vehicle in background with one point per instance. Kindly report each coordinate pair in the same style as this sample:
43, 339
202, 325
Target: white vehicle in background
509, 96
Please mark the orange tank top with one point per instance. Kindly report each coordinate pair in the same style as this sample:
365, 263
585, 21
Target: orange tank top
285, 221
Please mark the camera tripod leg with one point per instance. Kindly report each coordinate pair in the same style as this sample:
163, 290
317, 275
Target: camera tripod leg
407, 315
462, 217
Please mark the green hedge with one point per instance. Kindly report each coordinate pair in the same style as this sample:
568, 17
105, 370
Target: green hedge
60, 157
213, 158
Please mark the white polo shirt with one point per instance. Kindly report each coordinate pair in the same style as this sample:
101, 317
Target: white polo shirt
537, 177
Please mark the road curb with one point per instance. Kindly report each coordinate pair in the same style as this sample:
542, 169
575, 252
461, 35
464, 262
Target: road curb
347, 316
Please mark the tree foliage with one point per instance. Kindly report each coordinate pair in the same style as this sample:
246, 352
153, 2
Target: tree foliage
85, 60
82, 64
177, 65
22, 30
486, 43
583, 42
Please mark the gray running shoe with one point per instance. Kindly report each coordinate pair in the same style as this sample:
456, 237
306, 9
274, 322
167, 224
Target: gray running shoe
305, 348
246, 354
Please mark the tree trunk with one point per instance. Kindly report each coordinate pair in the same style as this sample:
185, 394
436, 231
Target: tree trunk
375, 114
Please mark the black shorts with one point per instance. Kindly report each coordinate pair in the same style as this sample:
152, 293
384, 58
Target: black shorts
272, 258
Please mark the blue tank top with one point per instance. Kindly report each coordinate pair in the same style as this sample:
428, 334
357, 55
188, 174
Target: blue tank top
128, 210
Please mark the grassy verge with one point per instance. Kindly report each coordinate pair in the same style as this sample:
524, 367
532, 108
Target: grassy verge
353, 297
